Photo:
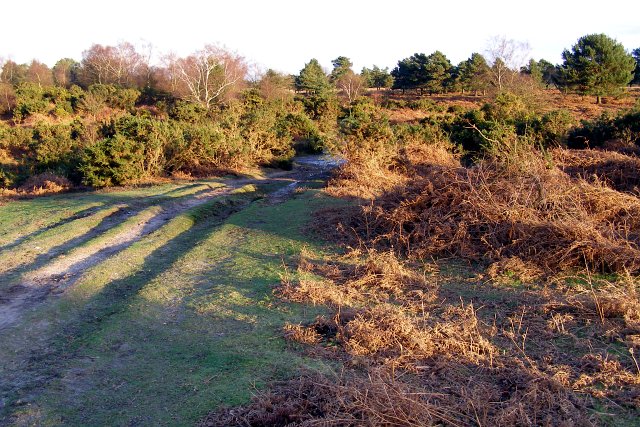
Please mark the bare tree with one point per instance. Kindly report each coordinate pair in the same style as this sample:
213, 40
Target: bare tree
274, 85
351, 85
7, 97
13, 73
120, 65
39, 73
506, 57
206, 76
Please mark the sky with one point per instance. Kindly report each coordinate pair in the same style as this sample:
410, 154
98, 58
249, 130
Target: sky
286, 34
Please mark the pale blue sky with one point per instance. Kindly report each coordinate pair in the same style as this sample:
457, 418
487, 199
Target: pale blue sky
285, 34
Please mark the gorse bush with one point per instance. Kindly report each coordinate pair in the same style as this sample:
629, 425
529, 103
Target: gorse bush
624, 127
112, 161
30, 100
55, 148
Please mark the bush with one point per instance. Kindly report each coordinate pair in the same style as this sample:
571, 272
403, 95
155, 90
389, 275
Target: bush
426, 105
55, 148
394, 104
625, 127
112, 161
303, 132
7, 176
552, 129
29, 100
99, 96
196, 149
187, 111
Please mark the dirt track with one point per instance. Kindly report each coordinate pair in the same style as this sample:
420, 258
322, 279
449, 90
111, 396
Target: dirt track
61, 270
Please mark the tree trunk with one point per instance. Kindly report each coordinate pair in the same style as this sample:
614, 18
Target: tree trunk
598, 99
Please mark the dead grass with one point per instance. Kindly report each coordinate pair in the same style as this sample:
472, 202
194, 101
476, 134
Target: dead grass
411, 360
339, 283
616, 170
535, 212
44, 183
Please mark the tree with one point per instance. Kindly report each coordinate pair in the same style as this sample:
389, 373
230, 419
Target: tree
274, 85
312, 79
39, 73
410, 72
533, 69
351, 85
65, 72
341, 66
542, 72
636, 56
423, 72
506, 57
377, 77
438, 71
7, 98
549, 73
13, 73
473, 73
206, 76
597, 65
320, 98
120, 65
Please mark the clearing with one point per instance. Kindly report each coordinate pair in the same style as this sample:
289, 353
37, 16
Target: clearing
153, 305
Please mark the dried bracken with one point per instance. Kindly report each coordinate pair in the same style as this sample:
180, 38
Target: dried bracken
489, 213
618, 171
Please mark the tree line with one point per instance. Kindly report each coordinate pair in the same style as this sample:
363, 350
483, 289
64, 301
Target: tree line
112, 118
596, 65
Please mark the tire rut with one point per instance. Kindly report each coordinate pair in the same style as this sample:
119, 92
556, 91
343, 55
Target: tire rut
59, 271
55, 271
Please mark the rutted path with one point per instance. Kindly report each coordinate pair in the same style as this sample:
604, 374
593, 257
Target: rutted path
62, 266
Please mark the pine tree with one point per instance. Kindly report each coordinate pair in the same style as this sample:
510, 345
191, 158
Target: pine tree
312, 79
597, 65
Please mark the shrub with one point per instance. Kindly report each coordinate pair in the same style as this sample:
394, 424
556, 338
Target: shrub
625, 127
303, 132
7, 176
55, 148
426, 105
99, 96
112, 161
187, 111
29, 100
552, 129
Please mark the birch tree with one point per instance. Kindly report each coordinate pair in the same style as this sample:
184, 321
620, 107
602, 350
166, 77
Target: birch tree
351, 85
506, 57
120, 65
206, 76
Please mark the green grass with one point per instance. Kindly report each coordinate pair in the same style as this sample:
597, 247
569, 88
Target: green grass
177, 324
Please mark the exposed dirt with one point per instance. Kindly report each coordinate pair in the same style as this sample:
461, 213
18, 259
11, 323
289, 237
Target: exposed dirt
61, 271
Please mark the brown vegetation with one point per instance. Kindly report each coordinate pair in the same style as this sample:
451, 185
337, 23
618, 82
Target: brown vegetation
419, 357
616, 170
535, 338
493, 211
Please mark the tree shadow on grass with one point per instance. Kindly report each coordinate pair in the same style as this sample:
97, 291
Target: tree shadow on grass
47, 362
107, 223
78, 215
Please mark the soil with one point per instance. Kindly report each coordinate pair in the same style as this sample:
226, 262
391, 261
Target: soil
62, 271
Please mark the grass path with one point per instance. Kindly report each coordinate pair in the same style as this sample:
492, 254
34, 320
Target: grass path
148, 324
